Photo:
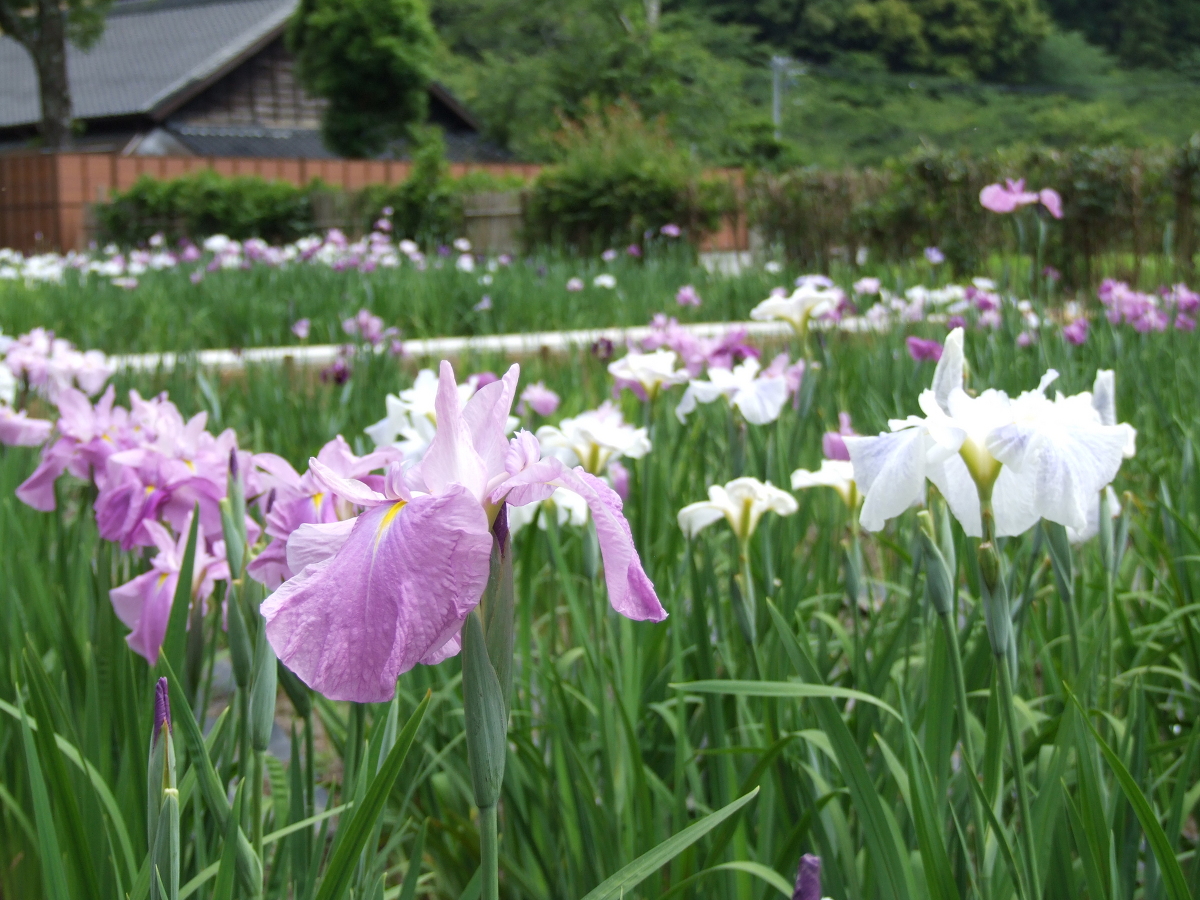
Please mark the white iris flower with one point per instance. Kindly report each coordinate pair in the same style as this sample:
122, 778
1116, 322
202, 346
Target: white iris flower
1029, 457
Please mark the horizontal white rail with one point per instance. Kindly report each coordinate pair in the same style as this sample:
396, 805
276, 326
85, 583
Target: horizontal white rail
445, 347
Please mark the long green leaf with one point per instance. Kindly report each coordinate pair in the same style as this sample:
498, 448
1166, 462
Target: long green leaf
886, 850
227, 872
786, 689
630, 876
1177, 888
174, 644
345, 858
54, 881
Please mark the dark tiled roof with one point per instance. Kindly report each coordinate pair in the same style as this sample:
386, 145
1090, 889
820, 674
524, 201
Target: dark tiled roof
150, 51
286, 143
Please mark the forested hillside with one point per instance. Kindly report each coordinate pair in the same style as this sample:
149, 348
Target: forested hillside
869, 79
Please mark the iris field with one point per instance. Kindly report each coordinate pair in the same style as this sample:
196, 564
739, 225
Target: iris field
815, 688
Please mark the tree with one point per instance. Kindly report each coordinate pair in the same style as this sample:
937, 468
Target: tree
43, 28
371, 59
1160, 33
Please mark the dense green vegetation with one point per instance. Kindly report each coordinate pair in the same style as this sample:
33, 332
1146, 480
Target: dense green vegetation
608, 756
880, 78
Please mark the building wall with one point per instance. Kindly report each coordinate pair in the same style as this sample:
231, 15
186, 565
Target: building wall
261, 91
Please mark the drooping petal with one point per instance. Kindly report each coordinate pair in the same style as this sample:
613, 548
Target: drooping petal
37, 490
630, 591
314, 542
144, 605
347, 488
762, 402
890, 473
397, 591
695, 517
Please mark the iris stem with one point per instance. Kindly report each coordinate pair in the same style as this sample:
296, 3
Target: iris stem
489, 854
1014, 744
256, 803
968, 747
1073, 633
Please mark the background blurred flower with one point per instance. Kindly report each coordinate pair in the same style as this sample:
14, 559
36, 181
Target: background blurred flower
605, 280
301, 328
922, 350
574, 284
934, 256
1076, 332
687, 296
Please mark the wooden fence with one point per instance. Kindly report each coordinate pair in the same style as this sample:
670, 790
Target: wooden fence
44, 197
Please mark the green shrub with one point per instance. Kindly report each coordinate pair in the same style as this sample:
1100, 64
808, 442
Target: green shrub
203, 203
619, 177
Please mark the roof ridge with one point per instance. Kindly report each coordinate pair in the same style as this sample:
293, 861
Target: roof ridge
122, 8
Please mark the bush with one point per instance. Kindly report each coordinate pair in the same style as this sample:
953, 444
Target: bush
619, 177
1115, 199
203, 203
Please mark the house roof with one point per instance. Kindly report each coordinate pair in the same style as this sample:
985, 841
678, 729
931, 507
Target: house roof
154, 56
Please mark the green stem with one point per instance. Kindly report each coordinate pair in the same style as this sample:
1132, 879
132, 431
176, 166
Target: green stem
256, 803
489, 854
1073, 634
968, 747
1018, 763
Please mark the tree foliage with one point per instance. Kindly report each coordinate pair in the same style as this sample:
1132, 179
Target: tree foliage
371, 59
1160, 33
43, 28
964, 38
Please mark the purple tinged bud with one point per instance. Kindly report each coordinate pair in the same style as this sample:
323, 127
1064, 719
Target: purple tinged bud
808, 878
233, 463
270, 502
162, 708
500, 528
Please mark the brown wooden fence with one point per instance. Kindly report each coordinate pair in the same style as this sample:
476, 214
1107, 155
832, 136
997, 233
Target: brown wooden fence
44, 198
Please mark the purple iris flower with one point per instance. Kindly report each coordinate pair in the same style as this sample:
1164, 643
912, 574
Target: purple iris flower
922, 350
301, 500
833, 443
380, 593
1076, 332
144, 604
18, 430
540, 399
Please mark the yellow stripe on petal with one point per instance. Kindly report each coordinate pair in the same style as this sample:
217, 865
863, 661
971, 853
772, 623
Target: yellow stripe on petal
386, 522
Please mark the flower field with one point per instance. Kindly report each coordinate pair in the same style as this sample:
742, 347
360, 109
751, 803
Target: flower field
901, 605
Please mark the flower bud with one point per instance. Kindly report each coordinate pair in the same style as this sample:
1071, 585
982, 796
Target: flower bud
808, 878
996, 611
262, 695
160, 770
939, 579
240, 652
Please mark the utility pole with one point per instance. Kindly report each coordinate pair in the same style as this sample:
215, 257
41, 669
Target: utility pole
780, 66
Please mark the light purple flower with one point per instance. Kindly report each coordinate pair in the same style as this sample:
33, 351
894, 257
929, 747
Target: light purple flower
633, 250
808, 878
671, 230
1185, 323
922, 350
393, 587
301, 328
1005, 198
1025, 339
540, 399
574, 285
301, 500
956, 322
619, 475
1076, 332
609, 255
934, 256
1051, 273
365, 325
867, 286
197, 276
144, 604
1052, 201
687, 296
17, 430
484, 304
833, 443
